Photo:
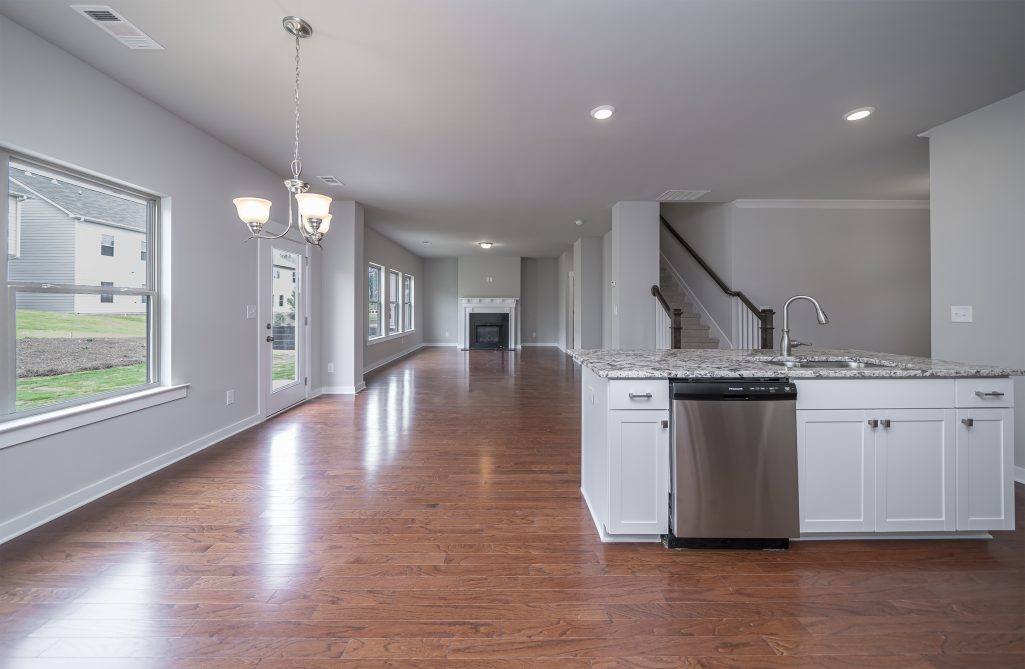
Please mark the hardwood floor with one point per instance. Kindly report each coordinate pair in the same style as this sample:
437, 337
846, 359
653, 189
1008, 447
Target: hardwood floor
436, 521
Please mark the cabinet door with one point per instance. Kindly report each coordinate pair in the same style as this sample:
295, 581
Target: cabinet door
915, 470
835, 451
638, 472
985, 484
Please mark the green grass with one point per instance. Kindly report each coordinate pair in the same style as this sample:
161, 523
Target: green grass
42, 324
283, 368
39, 390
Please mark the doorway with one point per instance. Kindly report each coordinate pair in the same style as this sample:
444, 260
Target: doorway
284, 333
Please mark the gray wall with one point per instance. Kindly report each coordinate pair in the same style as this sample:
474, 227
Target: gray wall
504, 272
977, 172
440, 298
606, 311
342, 302
565, 299
539, 301
588, 295
382, 251
635, 248
158, 152
867, 263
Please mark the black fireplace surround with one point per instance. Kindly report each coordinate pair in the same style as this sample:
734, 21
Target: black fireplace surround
489, 331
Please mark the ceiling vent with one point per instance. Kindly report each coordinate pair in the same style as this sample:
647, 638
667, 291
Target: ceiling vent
331, 181
114, 24
681, 195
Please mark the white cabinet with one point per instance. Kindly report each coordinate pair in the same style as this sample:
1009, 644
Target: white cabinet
638, 472
985, 486
624, 473
914, 474
836, 465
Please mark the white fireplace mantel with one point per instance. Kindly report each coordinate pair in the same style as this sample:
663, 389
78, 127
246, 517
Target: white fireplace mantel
488, 305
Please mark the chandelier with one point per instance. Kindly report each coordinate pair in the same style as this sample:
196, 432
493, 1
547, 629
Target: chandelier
312, 210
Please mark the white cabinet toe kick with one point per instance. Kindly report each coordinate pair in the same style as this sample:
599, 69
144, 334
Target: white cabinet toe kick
877, 458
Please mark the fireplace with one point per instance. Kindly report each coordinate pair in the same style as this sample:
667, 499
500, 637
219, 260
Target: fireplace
488, 331
499, 313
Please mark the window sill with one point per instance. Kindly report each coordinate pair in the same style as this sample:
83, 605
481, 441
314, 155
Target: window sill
397, 335
20, 430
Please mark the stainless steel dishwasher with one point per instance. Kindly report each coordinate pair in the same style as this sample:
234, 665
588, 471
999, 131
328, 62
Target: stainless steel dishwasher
734, 464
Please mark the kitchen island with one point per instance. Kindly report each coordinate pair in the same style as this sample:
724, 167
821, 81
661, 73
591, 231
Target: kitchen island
888, 446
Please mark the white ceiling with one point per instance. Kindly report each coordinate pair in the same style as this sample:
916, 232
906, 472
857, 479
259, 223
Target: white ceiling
461, 120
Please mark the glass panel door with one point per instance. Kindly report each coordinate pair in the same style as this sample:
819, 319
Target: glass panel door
284, 331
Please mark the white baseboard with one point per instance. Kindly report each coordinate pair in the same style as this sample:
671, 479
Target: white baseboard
343, 390
1019, 474
452, 344
392, 358
62, 505
549, 344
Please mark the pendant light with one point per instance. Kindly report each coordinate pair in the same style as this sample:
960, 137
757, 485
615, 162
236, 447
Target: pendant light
311, 210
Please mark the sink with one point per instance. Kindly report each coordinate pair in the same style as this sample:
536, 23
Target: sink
824, 364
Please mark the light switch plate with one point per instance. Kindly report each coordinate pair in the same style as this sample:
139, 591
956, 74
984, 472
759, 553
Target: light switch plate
961, 314
229, 397
250, 311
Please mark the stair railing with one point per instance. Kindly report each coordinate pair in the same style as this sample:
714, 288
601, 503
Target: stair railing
752, 326
668, 322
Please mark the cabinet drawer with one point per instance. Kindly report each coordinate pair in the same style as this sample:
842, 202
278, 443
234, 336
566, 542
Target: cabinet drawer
983, 393
639, 394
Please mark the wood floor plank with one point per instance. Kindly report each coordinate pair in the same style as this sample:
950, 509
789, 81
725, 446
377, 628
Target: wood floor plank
435, 522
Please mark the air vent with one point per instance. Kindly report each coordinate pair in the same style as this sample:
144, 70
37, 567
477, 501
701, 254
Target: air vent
681, 195
331, 181
115, 24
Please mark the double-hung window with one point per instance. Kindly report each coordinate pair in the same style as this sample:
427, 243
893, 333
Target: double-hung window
407, 302
393, 302
83, 324
375, 311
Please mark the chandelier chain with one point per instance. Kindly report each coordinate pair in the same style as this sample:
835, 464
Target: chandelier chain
297, 166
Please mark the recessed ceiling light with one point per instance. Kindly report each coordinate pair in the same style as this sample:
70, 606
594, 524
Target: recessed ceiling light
485, 245
603, 112
859, 113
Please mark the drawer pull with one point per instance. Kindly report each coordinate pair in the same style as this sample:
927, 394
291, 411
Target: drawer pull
873, 423
640, 396
968, 422
885, 422
992, 393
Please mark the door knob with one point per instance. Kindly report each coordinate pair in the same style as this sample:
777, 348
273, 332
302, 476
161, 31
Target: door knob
270, 337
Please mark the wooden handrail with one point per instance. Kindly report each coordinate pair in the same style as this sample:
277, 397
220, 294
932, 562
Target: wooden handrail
764, 315
657, 292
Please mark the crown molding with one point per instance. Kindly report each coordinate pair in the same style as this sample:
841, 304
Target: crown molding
831, 204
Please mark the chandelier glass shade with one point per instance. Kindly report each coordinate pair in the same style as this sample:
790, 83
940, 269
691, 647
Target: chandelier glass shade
312, 215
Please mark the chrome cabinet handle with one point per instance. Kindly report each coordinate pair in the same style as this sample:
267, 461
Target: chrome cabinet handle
270, 337
968, 422
873, 423
885, 422
992, 393
640, 396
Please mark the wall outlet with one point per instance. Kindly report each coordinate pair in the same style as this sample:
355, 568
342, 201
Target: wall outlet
962, 314
229, 397
330, 368
489, 279
250, 311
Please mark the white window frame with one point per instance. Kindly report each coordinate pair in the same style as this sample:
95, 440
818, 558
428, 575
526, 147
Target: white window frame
395, 300
74, 413
381, 286
409, 326
14, 201
110, 245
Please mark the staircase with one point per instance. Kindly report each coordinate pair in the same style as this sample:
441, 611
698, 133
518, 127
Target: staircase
695, 333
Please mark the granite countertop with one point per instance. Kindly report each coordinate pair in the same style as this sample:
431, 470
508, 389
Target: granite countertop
718, 363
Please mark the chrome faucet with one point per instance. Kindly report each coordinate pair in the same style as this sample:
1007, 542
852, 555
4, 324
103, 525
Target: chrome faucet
786, 344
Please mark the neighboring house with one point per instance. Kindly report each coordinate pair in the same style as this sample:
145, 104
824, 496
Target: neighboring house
285, 276
63, 233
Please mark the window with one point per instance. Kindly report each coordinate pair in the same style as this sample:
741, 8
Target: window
407, 302
14, 225
72, 340
393, 302
374, 301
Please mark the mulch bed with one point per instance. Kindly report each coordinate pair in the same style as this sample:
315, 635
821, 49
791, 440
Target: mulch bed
48, 357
